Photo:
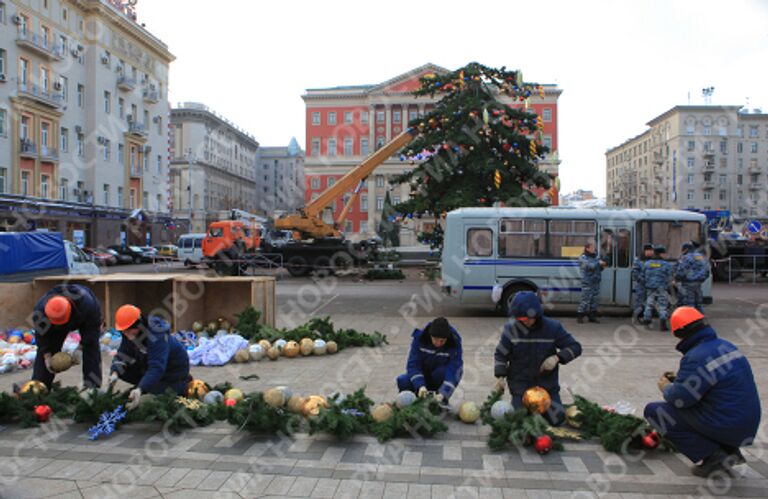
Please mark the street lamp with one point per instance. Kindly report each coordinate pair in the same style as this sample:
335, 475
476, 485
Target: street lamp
190, 160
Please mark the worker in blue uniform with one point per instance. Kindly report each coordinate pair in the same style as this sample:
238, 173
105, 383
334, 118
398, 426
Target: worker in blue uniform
657, 275
591, 268
638, 283
691, 271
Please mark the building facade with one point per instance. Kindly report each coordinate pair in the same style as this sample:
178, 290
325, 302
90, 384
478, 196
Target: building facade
213, 165
694, 157
83, 121
280, 179
345, 124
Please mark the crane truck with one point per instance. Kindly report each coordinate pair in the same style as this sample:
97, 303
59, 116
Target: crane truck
315, 245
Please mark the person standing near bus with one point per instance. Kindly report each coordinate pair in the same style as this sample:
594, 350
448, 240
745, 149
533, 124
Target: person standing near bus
638, 284
657, 274
591, 267
691, 272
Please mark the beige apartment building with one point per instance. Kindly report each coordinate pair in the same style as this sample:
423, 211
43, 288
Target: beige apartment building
694, 157
213, 165
83, 121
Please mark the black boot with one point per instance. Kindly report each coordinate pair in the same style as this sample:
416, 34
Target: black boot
717, 461
663, 326
579, 317
734, 455
593, 317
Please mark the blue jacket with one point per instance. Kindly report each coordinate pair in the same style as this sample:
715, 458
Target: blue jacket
521, 351
424, 358
657, 273
85, 317
590, 269
715, 390
693, 267
162, 358
637, 272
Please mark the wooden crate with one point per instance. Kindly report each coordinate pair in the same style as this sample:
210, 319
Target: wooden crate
42, 285
17, 300
152, 293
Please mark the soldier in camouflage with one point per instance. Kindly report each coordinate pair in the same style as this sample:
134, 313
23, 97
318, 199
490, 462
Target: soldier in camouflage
638, 284
691, 271
590, 267
657, 274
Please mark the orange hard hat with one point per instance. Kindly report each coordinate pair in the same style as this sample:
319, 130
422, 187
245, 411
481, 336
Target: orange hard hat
126, 316
682, 317
58, 309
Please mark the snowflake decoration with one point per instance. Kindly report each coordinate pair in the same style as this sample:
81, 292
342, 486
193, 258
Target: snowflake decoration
107, 423
353, 412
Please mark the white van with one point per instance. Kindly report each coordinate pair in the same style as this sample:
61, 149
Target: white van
191, 249
28, 255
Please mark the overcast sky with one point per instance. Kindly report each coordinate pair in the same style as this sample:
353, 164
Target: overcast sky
619, 62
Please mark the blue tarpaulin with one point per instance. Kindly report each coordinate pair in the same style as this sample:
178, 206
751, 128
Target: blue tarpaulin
31, 251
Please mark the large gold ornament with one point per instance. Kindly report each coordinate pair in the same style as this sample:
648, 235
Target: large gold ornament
331, 347
242, 356
234, 394
196, 389
469, 412
291, 349
571, 415
34, 387
382, 413
312, 405
296, 404
306, 346
273, 353
274, 397
60, 362
265, 344
537, 400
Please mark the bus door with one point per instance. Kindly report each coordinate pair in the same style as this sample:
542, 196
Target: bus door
615, 248
479, 264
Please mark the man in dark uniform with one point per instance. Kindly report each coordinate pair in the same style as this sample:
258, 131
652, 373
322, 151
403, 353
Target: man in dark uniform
66, 308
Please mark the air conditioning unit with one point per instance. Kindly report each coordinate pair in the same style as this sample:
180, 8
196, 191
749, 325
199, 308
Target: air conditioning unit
57, 85
78, 129
101, 140
16, 19
2, 77
156, 119
105, 59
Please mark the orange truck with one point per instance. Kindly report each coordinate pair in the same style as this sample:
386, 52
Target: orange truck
228, 244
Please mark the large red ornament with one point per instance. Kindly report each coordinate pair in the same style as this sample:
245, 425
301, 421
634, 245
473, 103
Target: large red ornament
230, 402
43, 412
543, 444
651, 440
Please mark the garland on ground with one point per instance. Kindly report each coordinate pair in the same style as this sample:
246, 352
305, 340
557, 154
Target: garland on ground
383, 274
515, 428
345, 416
421, 418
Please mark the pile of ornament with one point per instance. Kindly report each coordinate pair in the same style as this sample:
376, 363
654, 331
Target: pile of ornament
17, 349
288, 349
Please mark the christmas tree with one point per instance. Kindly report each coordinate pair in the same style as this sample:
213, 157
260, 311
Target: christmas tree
389, 229
477, 149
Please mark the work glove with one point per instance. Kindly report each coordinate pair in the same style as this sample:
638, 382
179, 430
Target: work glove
112, 379
500, 386
47, 359
549, 363
422, 393
440, 398
663, 382
133, 399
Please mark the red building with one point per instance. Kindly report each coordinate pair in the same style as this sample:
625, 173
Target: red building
344, 124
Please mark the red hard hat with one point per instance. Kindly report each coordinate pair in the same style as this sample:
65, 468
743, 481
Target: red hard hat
684, 316
126, 316
58, 309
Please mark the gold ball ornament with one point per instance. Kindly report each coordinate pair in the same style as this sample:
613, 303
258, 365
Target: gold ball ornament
469, 412
382, 413
265, 344
296, 404
234, 394
571, 415
306, 346
34, 387
242, 356
331, 347
537, 400
61, 361
274, 397
196, 389
312, 405
291, 349
273, 353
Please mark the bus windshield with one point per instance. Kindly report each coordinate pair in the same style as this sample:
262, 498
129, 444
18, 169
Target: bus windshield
671, 234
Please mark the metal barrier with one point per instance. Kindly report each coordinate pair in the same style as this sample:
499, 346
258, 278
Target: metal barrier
740, 264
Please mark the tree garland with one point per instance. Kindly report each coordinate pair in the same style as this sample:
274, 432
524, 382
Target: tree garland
515, 428
345, 416
420, 418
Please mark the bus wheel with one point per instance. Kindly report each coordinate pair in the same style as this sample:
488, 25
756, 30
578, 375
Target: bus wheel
509, 295
297, 266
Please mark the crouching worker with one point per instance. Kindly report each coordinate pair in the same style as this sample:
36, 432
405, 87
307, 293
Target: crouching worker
711, 406
529, 352
148, 357
434, 362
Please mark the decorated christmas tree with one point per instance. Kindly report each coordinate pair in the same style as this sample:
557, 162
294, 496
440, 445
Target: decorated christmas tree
477, 149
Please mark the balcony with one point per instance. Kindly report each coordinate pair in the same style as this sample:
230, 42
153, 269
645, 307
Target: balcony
754, 169
40, 46
136, 171
708, 153
708, 184
709, 165
658, 158
126, 83
27, 149
756, 186
41, 95
137, 129
151, 96
48, 154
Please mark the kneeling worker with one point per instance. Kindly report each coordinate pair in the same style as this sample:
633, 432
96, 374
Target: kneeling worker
435, 361
148, 357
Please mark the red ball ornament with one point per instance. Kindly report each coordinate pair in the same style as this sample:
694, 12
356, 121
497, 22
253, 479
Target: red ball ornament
482, 200
651, 440
543, 444
43, 412
230, 402
507, 146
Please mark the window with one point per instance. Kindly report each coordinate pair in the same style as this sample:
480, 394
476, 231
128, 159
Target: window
670, 234
315, 182
347, 116
3, 120
331, 181
348, 147
690, 178
753, 133
413, 114
364, 204
548, 142
132, 198
44, 184
364, 117
522, 238
379, 180
753, 147
739, 179
395, 200
2, 13
546, 115
739, 147
479, 242
106, 152
691, 145
3, 176
707, 196
379, 203
64, 139
107, 102
159, 163
364, 147
348, 226
121, 107
63, 45
159, 121
722, 195
23, 23
64, 88
568, 237
723, 131
2, 60
380, 117
331, 147
45, 80
315, 147
690, 196
119, 199
45, 36
396, 117
723, 179
23, 72
24, 128
80, 95
332, 118
44, 136
691, 162
121, 154
707, 130
724, 147
145, 200
25, 183
708, 146
64, 189
64, 14
80, 145
146, 120
379, 143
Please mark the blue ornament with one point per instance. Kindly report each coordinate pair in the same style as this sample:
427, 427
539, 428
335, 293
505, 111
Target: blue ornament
402, 158
410, 215
438, 84
107, 423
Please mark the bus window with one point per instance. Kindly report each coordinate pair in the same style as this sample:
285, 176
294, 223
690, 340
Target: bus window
670, 234
198, 241
479, 242
606, 246
567, 238
623, 248
522, 238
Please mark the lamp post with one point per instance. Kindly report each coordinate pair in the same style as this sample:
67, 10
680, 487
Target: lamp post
190, 160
